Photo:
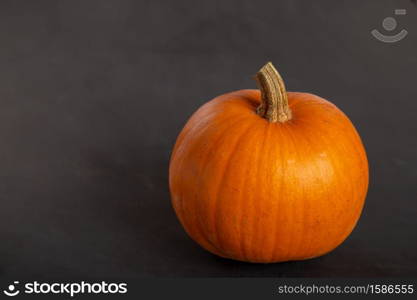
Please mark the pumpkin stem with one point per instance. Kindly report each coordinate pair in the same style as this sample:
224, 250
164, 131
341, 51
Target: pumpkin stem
274, 106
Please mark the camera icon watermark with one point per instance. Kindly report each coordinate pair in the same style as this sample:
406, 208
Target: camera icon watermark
11, 290
389, 24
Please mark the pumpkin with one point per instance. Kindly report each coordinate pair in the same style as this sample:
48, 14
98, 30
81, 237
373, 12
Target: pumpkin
268, 175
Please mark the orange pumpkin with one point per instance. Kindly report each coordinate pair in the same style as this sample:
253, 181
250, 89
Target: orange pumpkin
268, 176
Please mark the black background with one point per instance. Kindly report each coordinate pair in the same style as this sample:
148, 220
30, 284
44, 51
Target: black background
94, 93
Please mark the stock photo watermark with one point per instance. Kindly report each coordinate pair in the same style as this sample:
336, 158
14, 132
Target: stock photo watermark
390, 24
71, 289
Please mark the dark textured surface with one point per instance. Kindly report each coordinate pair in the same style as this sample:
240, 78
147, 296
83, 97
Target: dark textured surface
93, 94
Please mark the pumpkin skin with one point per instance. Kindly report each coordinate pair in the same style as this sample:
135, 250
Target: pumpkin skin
251, 190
